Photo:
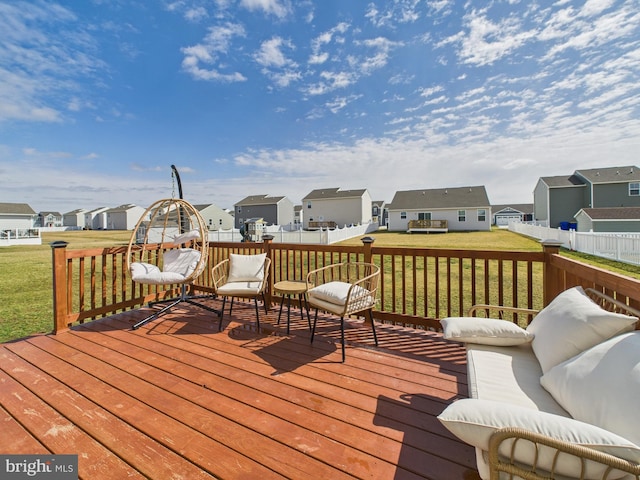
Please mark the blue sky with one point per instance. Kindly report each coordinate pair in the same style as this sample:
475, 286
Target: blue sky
99, 97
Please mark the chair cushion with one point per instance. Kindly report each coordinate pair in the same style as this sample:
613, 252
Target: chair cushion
246, 268
239, 289
181, 260
486, 331
473, 421
150, 274
336, 292
602, 385
571, 324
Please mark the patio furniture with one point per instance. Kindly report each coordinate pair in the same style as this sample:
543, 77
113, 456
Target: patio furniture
242, 276
557, 399
287, 289
168, 246
344, 289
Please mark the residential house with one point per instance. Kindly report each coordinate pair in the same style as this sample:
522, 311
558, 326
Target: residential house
503, 214
96, 219
446, 209
557, 199
298, 215
379, 212
49, 219
123, 217
272, 210
16, 216
608, 219
215, 217
74, 218
332, 207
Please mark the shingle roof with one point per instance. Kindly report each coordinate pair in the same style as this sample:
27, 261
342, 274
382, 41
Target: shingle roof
459, 197
323, 193
518, 207
563, 181
16, 209
76, 211
259, 200
611, 175
613, 213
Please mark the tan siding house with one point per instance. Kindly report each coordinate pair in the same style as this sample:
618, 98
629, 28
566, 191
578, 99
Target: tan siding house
337, 208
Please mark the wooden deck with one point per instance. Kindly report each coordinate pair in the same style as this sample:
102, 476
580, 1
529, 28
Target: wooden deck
176, 399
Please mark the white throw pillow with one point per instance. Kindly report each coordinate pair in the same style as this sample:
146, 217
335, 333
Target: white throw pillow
336, 292
571, 324
486, 331
246, 268
602, 385
474, 420
187, 236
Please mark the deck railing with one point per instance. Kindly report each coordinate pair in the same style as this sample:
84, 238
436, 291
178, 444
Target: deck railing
428, 224
418, 286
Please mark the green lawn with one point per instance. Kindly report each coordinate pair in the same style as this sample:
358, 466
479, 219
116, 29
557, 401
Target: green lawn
26, 296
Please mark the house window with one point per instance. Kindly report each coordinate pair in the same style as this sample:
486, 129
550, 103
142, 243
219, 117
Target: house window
210, 221
239, 210
634, 189
424, 216
403, 215
308, 204
462, 215
375, 210
482, 215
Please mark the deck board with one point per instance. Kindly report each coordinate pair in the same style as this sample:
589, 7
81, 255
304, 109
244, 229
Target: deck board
178, 399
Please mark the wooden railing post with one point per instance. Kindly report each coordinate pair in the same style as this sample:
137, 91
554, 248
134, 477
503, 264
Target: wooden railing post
551, 281
268, 240
60, 304
367, 243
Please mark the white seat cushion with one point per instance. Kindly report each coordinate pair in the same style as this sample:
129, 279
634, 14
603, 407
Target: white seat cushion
150, 274
239, 289
181, 260
571, 324
246, 268
509, 374
336, 292
473, 421
602, 385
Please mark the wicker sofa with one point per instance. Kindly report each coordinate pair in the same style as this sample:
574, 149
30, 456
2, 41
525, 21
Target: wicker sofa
557, 399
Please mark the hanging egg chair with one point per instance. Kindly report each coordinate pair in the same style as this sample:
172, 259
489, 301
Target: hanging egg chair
169, 246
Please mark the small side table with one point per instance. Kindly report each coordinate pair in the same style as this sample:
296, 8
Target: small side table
287, 289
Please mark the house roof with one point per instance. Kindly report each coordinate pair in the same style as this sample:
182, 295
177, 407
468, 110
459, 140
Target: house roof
46, 213
122, 208
612, 213
629, 173
16, 209
459, 197
259, 200
517, 207
76, 211
563, 181
324, 193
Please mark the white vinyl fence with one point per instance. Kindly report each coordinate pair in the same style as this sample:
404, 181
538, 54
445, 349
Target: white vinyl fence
623, 247
283, 235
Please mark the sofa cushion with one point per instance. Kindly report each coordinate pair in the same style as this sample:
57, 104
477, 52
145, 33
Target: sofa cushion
602, 385
571, 324
246, 268
336, 292
473, 421
486, 331
510, 375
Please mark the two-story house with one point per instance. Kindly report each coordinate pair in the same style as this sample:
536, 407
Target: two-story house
272, 210
440, 210
74, 218
215, 218
96, 219
123, 217
558, 199
16, 216
49, 219
333, 207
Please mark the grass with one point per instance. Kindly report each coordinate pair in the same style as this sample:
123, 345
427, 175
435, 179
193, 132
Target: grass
26, 278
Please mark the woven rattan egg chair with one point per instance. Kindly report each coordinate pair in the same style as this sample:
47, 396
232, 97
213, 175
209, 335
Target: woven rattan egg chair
169, 246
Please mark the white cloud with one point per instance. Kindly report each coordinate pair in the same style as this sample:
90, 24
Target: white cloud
215, 44
273, 7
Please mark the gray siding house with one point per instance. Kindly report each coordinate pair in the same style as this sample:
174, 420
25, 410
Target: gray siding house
124, 217
558, 199
272, 210
463, 208
503, 214
74, 218
608, 219
49, 219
